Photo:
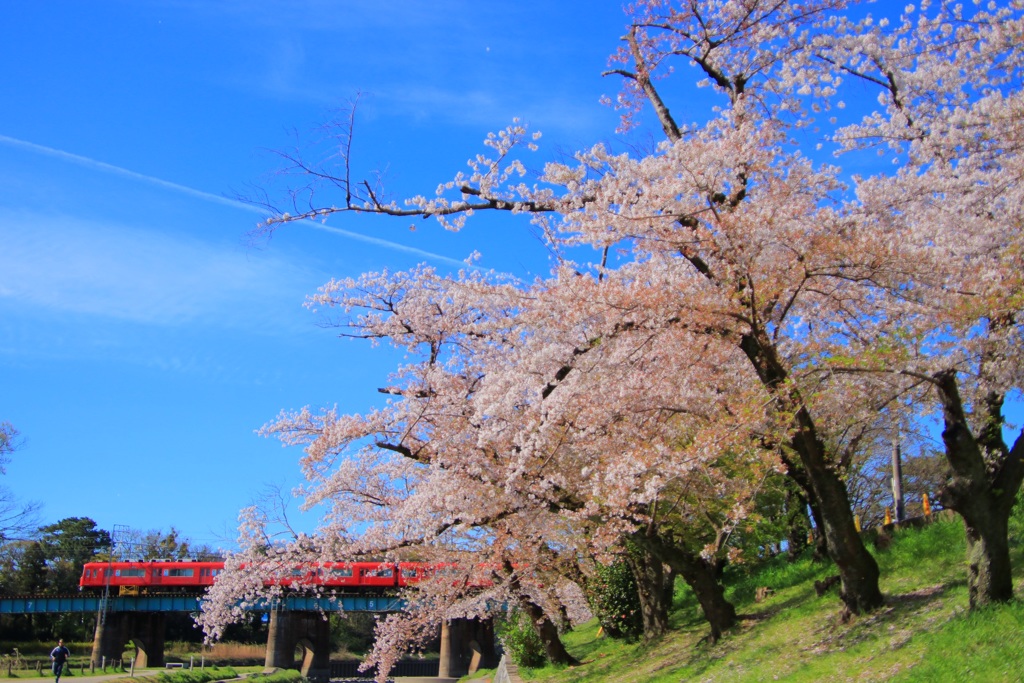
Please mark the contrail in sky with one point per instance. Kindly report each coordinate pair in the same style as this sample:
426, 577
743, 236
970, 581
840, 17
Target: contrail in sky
217, 199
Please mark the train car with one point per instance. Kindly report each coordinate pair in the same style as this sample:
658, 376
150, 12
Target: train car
165, 576
150, 577
376, 574
188, 576
339, 575
410, 573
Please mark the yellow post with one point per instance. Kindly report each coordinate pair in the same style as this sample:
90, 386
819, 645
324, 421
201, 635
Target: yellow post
926, 505
856, 522
888, 516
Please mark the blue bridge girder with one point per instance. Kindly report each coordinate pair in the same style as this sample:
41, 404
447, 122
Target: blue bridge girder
191, 603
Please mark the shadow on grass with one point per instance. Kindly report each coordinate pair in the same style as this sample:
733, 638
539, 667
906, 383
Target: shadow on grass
775, 608
899, 611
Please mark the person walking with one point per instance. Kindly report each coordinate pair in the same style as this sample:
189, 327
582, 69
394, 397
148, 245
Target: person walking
58, 656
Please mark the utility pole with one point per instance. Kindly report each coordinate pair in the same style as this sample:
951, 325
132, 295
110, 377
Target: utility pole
897, 477
120, 542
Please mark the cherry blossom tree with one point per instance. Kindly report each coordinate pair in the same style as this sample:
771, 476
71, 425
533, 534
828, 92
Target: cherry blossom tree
949, 80
481, 418
720, 222
752, 310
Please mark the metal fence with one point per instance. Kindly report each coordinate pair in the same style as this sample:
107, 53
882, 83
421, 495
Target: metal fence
408, 667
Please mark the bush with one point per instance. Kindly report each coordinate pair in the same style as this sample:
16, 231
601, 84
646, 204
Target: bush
197, 675
615, 602
520, 640
289, 676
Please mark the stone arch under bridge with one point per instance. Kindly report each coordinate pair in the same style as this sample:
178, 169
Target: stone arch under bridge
465, 644
307, 630
145, 630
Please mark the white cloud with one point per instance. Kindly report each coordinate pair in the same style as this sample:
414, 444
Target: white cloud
60, 263
124, 173
210, 197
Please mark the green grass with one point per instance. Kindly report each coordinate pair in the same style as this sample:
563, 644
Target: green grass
923, 633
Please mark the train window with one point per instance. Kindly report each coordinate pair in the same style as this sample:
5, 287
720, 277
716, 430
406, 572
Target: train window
341, 572
179, 572
297, 572
410, 572
384, 572
129, 572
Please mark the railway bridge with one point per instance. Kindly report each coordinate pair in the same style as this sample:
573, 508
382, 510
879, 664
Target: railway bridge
294, 622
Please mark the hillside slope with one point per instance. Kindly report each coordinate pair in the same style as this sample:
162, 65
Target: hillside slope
924, 632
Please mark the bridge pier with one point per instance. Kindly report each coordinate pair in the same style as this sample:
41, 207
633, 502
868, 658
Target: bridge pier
310, 630
466, 645
144, 629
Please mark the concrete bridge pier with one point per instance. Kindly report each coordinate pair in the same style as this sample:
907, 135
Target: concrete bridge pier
309, 630
144, 629
466, 645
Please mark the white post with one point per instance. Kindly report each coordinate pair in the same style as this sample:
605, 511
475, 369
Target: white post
897, 479
191, 661
132, 674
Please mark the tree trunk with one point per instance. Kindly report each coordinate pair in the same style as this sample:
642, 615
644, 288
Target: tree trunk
670, 586
700, 574
857, 568
545, 629
989, 576
986, 479
703, 578
548, 634
804, 494
649, 574
797, 528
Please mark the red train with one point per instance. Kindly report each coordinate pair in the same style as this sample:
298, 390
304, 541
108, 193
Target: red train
132, 578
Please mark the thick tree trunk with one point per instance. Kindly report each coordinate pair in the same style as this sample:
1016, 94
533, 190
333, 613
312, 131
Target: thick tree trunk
703, 578
989, 576
986, 479
545, 629
857, 568
797, 527
799, 531
548, 634
670, 586
807, 497
700, 574
649, 574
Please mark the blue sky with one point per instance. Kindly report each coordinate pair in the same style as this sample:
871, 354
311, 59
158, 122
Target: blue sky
143, 339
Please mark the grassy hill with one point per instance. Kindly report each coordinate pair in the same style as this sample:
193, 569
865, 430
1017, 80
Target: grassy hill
924, 632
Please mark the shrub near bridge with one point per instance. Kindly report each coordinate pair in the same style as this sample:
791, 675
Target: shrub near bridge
520, 640
205, 675
612, 595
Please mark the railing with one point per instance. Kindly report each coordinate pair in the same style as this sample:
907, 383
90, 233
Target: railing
188, 603
406, 667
